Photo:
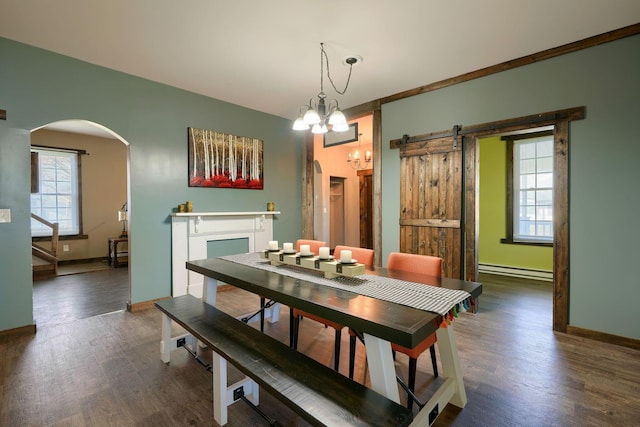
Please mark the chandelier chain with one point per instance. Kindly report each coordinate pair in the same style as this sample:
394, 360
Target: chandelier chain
321, 115
325, 58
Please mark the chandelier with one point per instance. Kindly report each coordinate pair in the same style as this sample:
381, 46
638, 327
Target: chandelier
355, 161
321, 114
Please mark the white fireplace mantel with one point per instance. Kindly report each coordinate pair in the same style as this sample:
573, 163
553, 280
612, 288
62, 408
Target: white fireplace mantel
190, 232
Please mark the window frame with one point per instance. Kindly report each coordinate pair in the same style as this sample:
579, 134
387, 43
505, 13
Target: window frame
510, 238
36, 172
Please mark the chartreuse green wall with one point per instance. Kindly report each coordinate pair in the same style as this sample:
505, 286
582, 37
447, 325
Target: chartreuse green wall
493, 215
604, 151
38, 87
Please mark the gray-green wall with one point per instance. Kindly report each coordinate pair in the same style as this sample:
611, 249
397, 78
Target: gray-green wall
38, 87
604, 164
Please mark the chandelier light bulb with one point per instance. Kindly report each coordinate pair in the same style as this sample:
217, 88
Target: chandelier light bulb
311, 117
337, 118
299, 124
340, 127
319, 128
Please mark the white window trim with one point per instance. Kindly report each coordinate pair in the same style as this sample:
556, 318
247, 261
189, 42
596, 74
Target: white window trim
517, 237
76, 222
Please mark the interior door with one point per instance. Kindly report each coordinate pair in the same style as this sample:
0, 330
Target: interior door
365, 179
336, 211
431, 200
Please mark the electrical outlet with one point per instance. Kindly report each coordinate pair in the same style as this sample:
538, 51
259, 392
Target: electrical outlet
5, 215
65, 248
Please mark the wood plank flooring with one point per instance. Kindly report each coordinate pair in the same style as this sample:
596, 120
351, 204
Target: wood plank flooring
105, 369
77, 296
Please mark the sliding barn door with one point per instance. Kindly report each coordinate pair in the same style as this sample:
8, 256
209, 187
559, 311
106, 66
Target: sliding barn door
431, 195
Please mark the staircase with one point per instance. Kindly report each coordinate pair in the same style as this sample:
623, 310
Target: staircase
44, 261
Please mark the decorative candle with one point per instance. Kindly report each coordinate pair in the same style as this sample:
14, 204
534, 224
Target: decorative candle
323, 252
273, 245
345, 256
287, 247
305, 249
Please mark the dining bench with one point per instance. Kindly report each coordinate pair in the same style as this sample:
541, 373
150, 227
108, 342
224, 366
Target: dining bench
317, 393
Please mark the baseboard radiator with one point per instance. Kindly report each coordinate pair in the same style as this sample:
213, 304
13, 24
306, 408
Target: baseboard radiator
526, 273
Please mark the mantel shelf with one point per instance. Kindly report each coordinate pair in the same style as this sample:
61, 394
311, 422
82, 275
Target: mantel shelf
178, 214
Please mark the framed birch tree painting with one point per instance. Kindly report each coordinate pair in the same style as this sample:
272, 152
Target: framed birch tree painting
222, 160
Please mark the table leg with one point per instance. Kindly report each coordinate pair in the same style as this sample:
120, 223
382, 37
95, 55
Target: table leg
452, 390
274, 313
381, 367
209, 290
451, 364
115, 254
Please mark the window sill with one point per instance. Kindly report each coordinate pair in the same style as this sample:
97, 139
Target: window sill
69, 237
520, 242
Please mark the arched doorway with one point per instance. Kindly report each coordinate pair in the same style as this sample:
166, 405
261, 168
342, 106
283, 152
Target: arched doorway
87, 200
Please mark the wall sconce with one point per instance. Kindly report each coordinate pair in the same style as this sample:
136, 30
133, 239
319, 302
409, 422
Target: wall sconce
122, 217
355, 161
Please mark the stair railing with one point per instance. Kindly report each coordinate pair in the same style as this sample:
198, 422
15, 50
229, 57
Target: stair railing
50, 255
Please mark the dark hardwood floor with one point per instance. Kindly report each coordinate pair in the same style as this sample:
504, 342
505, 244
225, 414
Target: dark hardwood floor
78, 296
100, 370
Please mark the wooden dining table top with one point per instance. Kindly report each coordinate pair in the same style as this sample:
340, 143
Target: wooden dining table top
390, 321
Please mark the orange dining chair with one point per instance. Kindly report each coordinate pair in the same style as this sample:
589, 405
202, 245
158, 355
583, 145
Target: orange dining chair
363, 256
423, 264
314, 245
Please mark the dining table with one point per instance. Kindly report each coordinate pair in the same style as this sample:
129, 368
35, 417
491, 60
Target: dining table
385, 306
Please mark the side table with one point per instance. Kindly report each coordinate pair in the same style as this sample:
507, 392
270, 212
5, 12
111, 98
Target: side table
113, 255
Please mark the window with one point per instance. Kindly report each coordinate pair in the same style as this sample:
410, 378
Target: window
56, 195
530, 192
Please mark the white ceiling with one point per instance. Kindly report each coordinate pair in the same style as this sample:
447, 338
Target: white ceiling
266, 55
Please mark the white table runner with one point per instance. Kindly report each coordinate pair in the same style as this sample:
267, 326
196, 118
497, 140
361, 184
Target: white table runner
416, 295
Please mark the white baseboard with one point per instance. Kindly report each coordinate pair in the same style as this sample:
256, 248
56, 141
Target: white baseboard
525, 273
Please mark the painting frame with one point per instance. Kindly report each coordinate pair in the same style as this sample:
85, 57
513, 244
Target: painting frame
332, 138
222, 160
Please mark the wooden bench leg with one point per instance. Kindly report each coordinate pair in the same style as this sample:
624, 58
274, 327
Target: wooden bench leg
165, 342
224, 395
219, 389
169, 343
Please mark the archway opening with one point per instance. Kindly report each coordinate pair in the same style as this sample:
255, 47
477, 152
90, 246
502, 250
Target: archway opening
80, 181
